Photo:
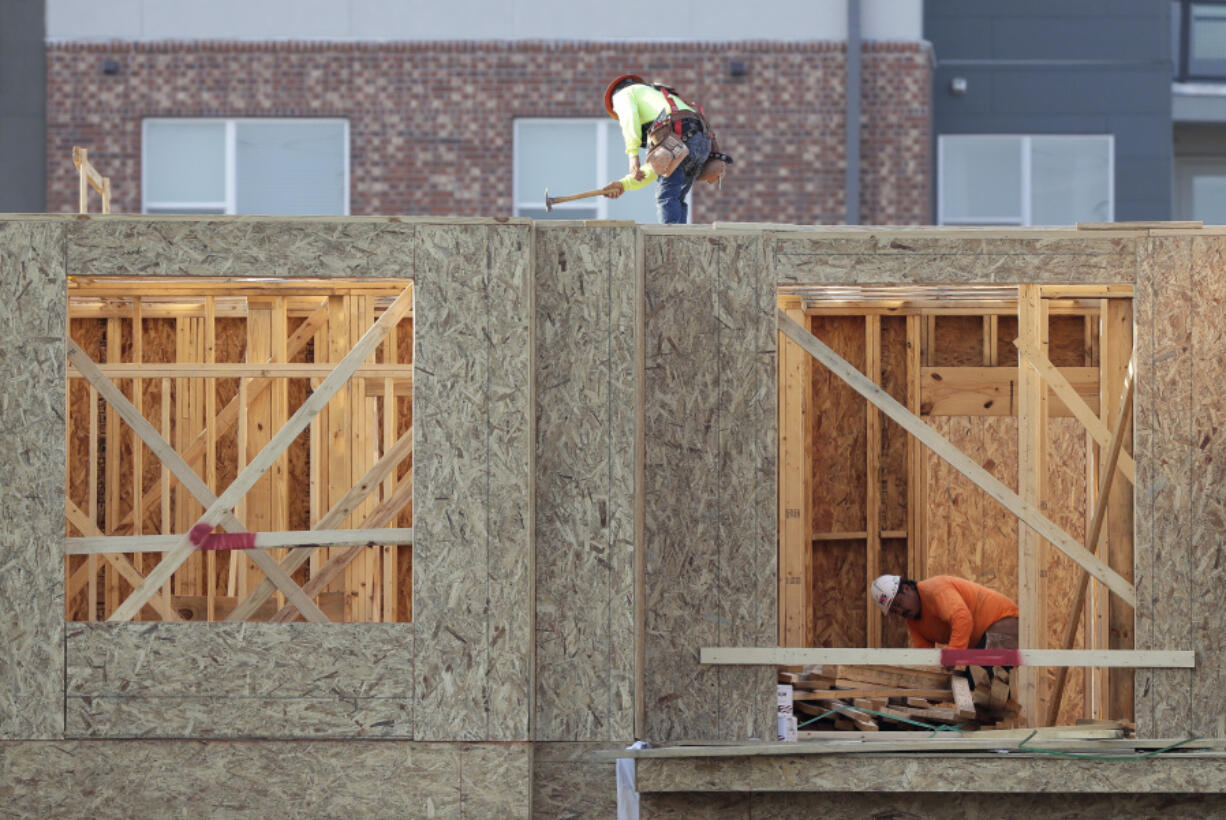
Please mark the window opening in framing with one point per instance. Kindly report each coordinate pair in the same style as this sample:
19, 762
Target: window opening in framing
220, 366
859, 496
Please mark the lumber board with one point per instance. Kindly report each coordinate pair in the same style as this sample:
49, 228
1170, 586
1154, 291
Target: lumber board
827, 694
1027, 512
785, 656
992, 391
308, 539
795, 549
962, 696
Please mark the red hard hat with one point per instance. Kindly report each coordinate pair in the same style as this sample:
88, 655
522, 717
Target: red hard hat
608, 93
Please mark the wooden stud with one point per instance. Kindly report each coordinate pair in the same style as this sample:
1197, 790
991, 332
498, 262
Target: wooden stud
1096, 526
958, 460
1116, 351
872, 494
164, 480
210, 452
917, 560
92, 500
795, 548
1032, 484
110, 483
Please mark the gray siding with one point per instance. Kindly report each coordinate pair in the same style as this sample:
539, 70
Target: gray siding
1063, 67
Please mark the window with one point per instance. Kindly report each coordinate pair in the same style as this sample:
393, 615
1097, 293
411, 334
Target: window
568, 157
1200, 41
1007, 179
1200, 189
245, 166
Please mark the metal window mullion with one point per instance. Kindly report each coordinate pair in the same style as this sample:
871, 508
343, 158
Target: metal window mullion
231, 166
1026, 203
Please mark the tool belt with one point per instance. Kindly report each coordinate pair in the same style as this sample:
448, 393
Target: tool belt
666, 143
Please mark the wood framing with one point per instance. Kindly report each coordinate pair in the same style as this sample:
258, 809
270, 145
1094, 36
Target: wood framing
795, 546
1032, 489
1024, 511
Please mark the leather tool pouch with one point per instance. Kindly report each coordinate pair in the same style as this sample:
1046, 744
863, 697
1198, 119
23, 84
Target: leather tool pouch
667, 154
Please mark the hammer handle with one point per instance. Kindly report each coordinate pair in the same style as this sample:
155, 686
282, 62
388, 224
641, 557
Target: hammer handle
584, 195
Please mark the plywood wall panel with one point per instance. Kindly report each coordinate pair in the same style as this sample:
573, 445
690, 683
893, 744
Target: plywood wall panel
1067, 341
839, 430
157, 778
957, 342
681, 529
840, 584
1208, 493
473, 468
33, 323
956, 542
881, 257
238, 246
748, 445
585, 312
568, 783
239, 680
1164, 454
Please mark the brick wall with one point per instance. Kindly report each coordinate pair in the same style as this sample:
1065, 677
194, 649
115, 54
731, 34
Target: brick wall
431, 123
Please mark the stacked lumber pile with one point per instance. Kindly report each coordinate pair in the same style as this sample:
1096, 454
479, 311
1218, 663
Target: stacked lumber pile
893, 698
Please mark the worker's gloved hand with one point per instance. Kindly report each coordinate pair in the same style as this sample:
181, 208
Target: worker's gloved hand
636, 169
614, 189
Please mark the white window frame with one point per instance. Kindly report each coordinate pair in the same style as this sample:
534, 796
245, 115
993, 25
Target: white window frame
524, 199
1026, 216
229, 204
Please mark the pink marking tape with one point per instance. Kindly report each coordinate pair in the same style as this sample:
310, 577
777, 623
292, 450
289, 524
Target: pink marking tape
981, 657
202, 536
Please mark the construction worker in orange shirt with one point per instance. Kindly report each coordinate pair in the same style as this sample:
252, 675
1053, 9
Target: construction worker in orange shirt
949, 610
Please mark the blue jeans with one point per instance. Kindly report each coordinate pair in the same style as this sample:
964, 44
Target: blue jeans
672, 189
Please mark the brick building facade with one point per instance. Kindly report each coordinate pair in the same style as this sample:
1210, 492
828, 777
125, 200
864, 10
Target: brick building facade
431, 123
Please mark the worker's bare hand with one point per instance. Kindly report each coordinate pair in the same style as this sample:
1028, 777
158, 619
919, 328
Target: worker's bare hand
636, 170
614, 189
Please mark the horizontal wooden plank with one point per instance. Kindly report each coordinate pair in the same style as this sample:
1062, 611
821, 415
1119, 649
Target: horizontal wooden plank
992, 391
829, 694
96, 545
802, 656
229, 286
236, 370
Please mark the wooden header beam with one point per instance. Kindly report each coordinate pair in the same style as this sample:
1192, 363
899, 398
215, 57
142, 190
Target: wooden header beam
1027, 513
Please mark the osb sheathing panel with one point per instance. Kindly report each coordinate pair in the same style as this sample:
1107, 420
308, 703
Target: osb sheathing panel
473, 479
839, 426
352, 778
568, 783
709, 405
951, 773
900, 258
1167, 365
837, 806
33, 322
239, 680
238, 246
586, 427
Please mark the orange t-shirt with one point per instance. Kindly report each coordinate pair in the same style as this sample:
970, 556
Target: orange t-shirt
956, 612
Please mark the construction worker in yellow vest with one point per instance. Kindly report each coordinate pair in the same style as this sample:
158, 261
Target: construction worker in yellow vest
680, 143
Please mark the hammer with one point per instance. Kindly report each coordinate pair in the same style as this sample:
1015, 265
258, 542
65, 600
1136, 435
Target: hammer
550, 201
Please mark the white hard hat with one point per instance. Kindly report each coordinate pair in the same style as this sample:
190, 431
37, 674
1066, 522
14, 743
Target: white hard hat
884, 589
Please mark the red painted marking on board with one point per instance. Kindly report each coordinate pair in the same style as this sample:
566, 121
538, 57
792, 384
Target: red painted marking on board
200, 533
981, 657
229, 541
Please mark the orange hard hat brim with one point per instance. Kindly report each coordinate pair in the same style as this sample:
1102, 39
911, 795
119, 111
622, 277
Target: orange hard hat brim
608, 92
